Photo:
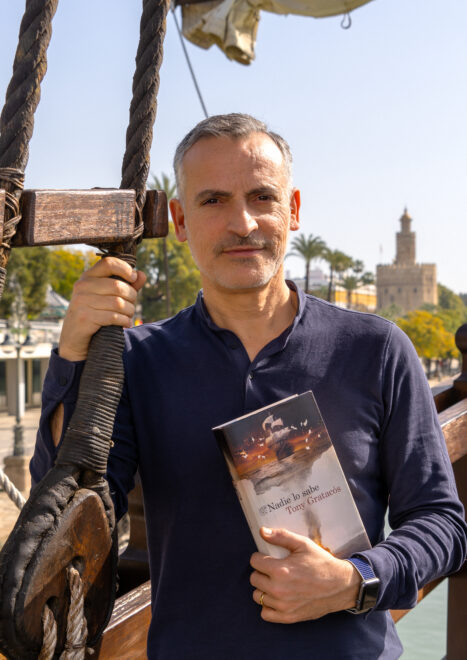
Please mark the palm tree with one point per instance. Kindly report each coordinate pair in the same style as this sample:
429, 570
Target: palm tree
308, 248
357, 278
165, 183
338, 263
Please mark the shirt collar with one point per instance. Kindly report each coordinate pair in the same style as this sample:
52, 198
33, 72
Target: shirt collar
203, 313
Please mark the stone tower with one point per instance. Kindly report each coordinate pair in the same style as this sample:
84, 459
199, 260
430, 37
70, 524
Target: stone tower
406, 284
405, 242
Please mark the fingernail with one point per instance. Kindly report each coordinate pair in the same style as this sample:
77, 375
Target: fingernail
267, 531
134, 275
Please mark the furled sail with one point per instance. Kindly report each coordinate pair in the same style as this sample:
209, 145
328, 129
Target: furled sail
232, 24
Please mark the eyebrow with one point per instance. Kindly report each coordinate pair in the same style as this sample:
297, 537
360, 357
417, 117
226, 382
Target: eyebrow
211, 192
264, 190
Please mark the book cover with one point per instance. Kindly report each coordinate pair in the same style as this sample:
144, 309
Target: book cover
287, 474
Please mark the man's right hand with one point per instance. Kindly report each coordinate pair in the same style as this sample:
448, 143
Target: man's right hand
99, 300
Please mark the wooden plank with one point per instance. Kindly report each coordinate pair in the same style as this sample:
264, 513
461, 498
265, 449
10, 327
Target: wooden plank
454, 424
457, 592
54, 217
125, 636
2, 211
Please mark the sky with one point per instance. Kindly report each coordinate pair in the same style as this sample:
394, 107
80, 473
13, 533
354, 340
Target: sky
375, 115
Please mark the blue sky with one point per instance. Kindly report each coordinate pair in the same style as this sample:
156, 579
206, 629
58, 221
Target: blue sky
375, 115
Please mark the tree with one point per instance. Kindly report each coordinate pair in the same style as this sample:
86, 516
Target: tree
451, 309
152, 257
428, 335
165, 183
338, 263
308, 249
66, 266
31, 267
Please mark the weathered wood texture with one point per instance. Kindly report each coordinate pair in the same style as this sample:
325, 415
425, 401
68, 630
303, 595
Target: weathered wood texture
155, 214
2, 211
125, 636
57, 217
457, 591
81, 539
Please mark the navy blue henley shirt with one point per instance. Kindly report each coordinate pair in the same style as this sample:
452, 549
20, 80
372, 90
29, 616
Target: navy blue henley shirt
186, 375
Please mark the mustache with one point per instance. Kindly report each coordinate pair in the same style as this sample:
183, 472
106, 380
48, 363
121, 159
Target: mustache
241, 242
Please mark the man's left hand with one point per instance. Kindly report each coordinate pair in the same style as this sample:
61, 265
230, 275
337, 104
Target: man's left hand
307, 584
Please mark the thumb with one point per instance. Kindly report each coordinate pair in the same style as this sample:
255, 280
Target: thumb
285, 539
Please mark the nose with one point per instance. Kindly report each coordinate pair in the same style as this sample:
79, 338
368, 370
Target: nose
241, 221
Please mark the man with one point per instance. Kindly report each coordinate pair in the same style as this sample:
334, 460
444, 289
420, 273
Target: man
251, 339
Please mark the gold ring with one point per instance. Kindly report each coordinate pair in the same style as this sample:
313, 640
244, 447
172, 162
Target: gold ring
261, 599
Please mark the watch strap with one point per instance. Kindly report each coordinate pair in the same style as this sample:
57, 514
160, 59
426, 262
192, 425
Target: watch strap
369, 586
363, 567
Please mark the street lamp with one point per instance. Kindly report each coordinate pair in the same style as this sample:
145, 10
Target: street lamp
17, 325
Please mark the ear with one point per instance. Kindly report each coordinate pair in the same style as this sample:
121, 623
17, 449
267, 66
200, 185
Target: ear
178, 217
295, 210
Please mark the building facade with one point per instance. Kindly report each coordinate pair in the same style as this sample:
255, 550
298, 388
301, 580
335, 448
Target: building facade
404, 283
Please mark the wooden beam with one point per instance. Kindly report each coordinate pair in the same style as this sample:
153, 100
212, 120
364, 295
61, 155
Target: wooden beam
457, 590
454, 424
126, 634
57, 217
155, 214
2, 211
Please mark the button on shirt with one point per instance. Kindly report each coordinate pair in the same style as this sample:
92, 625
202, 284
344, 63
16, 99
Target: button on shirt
184, 376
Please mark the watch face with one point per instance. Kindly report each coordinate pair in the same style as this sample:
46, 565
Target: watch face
368, 594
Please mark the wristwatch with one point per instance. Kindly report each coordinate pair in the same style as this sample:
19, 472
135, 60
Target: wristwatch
369, 587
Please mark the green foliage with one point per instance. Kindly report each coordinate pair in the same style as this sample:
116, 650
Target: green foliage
184, 277
66, 266
392, 313
447, 299
165, 183
428, 335
31, 267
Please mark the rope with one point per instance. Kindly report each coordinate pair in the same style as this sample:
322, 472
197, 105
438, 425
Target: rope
187, 57
17, 118
11, 490
76, 628
135, 166
49, 639
88, 439
23, 93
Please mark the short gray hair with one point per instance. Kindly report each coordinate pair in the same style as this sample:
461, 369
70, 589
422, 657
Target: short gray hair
233, 125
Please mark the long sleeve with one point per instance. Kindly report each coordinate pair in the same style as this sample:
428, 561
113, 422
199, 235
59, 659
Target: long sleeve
425, 514
60, 386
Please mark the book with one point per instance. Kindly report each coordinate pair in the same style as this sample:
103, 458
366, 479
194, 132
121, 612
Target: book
286, 473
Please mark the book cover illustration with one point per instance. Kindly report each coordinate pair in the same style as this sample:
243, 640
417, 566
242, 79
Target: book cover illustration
287, 474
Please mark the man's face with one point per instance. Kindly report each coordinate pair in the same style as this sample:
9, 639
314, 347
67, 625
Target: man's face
236, 210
